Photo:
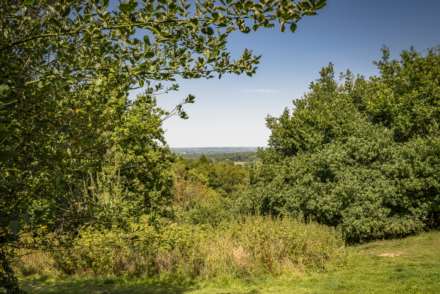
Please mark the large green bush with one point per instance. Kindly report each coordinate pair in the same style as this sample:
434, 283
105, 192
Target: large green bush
362, 155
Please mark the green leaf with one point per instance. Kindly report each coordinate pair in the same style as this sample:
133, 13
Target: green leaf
190, 99
282, 27
149, 54
208, 30
293, 27
147, 40
320, 4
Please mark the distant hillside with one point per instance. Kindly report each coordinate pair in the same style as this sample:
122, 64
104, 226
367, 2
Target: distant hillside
235, 154
212, 150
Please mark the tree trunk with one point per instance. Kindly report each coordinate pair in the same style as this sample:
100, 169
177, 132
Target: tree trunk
7, 278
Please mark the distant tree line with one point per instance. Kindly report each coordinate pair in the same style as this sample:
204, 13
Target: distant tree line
245, 157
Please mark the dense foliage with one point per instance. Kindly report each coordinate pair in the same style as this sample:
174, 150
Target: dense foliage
362, 155
205, 191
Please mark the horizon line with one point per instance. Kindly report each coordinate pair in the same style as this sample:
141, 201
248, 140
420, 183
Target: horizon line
242, 146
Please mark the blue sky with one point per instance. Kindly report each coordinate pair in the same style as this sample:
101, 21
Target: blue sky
232, 111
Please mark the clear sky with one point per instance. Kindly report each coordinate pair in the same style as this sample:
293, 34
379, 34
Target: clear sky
232, 111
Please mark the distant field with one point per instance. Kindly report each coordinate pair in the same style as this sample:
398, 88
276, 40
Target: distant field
410, 265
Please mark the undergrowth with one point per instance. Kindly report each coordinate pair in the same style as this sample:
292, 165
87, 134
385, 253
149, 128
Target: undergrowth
244, 248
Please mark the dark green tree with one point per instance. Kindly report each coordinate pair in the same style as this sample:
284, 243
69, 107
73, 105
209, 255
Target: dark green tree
362, 155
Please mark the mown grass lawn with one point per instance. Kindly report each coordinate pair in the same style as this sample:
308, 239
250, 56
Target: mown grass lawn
410, 265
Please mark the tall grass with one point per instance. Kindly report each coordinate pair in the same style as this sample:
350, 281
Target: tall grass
247, 247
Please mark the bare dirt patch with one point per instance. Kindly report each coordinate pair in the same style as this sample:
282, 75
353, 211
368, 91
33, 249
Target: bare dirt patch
390, 254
